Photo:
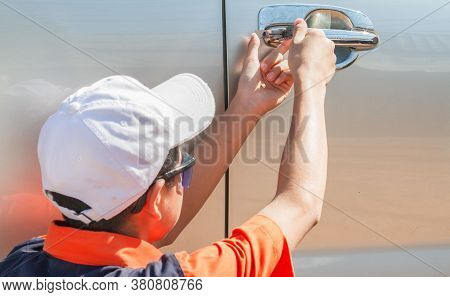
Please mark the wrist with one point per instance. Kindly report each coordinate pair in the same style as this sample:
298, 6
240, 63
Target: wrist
309, 89
309, 96
306, 79
305, 83
239, 120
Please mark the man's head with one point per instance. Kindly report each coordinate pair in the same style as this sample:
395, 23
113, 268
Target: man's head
154, 214
106, 170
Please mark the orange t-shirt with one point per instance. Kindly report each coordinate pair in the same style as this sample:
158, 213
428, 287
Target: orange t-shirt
256, 248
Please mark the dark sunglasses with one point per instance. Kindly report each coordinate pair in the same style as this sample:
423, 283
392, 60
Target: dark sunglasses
185, 168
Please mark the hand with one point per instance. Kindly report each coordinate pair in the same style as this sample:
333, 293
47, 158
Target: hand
311, 56
264, 86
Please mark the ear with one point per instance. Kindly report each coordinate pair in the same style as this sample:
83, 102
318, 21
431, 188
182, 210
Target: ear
154, 194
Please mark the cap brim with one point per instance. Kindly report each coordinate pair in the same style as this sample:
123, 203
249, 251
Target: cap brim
192, 103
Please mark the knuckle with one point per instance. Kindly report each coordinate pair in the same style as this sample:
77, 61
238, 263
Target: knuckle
277, 68
284, 74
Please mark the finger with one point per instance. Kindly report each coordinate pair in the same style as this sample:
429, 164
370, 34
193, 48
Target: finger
274, 72
273, 58
252, 49
287, 86
284, 46
299, 31
284, 68
283, 77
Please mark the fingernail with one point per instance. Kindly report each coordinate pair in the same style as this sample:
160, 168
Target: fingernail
264, 66
270, 76
278, 81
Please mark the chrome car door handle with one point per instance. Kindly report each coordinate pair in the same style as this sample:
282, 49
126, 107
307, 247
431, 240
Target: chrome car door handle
357, 40
274, 34
350, 30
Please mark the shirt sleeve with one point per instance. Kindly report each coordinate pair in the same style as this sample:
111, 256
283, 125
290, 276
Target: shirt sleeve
256, 248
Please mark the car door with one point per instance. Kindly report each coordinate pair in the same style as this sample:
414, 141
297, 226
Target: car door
387, 203
52, 48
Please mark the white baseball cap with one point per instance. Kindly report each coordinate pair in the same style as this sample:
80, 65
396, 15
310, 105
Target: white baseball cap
107, 142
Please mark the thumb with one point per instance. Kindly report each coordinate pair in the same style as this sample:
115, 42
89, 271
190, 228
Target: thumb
299, 31
252, 50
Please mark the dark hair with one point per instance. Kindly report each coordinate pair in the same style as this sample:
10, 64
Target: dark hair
110, 225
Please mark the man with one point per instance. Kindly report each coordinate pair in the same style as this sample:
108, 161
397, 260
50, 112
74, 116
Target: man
121, 194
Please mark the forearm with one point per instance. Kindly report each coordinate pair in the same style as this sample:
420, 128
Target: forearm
304, 163
303, 169
214, 151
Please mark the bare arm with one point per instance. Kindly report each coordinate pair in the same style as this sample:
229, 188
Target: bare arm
214, 152
302, 177
220, 143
